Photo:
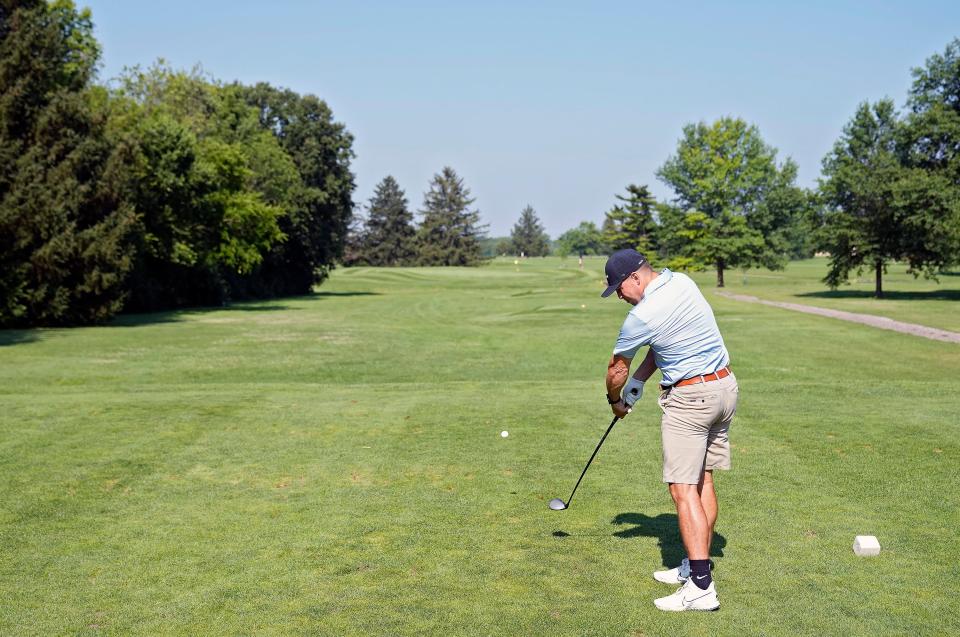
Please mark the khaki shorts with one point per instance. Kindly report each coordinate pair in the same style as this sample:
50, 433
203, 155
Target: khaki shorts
694, 428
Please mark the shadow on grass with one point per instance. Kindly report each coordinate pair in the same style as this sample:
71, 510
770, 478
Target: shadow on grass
273, 305
338, 294
664, 528
16, 337
929, 295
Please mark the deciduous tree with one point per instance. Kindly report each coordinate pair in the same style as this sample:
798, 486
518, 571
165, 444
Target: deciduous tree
862, 223
583, 240
205, 226
931, 153
725, 171
316, 226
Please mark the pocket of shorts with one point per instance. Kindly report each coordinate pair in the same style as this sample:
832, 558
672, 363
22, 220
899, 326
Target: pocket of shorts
663, 398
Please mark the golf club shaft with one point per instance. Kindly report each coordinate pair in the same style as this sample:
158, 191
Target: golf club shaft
612, 423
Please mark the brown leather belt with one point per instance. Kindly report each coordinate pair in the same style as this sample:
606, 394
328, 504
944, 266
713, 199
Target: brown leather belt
702, 378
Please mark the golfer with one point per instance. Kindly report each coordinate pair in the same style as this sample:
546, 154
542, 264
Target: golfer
698, 397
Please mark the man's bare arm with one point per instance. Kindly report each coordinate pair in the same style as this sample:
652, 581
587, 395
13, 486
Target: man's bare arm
647, 367
618, 370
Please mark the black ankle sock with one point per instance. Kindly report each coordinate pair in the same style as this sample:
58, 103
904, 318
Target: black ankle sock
700, 573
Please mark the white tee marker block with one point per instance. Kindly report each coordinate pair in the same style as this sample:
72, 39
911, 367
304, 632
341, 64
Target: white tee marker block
866, 545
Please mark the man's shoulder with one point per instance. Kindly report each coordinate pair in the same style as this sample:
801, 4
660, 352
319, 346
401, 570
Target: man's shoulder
684, 285
683, 279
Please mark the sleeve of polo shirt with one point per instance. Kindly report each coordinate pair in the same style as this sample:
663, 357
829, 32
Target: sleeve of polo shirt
634, 334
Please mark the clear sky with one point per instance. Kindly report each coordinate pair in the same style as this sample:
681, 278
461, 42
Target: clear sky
554, 104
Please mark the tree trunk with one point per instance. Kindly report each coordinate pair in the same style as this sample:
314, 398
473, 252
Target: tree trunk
879, 290
719, 273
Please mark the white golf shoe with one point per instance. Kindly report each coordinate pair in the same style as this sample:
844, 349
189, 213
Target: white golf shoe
690, 597
675, 576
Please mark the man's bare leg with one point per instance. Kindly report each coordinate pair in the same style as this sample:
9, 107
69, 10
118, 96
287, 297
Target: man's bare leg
708, 500
695, 528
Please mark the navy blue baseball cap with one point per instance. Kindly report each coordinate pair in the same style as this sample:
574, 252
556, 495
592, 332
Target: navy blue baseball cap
620, 265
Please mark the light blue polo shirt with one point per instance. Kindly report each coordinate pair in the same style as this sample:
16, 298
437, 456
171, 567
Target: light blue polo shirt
677, 323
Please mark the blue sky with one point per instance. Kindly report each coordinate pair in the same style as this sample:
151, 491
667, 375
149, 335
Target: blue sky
554, 104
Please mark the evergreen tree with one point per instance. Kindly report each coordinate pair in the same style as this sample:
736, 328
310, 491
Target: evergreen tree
450, 232
64, 230
528, 236
611, 224
632, 225
681, 234
389, 235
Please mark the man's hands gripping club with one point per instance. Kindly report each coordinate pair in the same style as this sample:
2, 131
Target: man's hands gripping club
633, 391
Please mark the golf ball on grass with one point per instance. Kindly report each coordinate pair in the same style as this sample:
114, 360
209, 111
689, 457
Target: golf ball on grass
504, 434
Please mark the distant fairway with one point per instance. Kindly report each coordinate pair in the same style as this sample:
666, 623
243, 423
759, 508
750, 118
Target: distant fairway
909, 299
332, 465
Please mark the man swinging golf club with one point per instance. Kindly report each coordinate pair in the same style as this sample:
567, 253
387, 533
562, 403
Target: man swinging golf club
698, 397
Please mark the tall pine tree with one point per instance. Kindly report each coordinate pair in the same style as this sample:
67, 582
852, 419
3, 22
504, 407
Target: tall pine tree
389, 236
450, 232
631, 225
64, 231
528, 236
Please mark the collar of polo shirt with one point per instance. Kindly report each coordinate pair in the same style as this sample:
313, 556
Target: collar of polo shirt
658, 282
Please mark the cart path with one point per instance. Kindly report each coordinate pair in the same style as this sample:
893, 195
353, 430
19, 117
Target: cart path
882, 322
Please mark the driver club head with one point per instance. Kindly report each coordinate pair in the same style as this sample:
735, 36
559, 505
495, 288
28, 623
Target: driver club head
557, 504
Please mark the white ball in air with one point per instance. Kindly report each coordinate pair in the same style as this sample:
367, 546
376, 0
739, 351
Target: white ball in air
504, 434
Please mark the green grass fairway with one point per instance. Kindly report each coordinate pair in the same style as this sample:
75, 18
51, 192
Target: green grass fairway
332, 465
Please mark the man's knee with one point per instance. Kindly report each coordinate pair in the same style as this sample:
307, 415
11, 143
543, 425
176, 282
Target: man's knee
683, 492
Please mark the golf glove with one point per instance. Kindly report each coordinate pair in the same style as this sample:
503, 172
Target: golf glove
633, 391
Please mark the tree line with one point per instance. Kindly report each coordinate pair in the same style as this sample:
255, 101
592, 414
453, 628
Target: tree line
889, 191
891, 184
450, 232
165, 189
168, 188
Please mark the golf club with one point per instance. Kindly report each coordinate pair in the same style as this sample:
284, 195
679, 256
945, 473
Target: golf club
559, 505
